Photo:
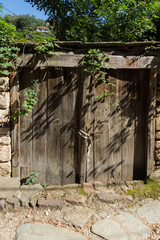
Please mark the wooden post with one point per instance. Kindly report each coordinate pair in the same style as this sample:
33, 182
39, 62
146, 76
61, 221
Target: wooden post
14, 96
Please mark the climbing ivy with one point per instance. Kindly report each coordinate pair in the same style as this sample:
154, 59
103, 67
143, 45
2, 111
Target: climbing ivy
96, 64
30, 101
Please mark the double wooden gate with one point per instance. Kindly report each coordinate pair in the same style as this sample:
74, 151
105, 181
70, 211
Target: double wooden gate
74, 135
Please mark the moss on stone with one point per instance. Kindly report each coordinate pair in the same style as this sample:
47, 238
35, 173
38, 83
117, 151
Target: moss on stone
150, 189
81, 191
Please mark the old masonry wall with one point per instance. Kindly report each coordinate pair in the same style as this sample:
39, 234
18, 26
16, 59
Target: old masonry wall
5, 139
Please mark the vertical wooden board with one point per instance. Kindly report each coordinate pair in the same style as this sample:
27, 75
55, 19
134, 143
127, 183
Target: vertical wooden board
127, 113
115, 129
67, 130
139, 166
25, 125
88, 111
14, 96
39, 127
54, 110
84, 123
101, 132
150, 138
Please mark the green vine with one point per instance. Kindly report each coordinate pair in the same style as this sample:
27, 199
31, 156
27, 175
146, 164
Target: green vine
97, 63
30, 101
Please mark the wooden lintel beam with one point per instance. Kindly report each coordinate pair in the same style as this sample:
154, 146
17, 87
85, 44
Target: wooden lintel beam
75, 60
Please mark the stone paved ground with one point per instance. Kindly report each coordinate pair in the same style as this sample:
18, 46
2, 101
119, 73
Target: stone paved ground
106, 213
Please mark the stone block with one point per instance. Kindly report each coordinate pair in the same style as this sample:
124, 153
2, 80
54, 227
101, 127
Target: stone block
5, 153
76, 198
5, 169
158, 123
4, 100
109, 198
5, 140
155, 175
157, 144
54, 203
4, 84
4, 117
37, 231
157, 154
157, 136
9, 183
4, 131
88, 187
78, 217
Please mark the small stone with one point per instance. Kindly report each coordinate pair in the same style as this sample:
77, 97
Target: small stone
157, 154
88, 187
157, 136
12, 203
157, 144
130, 198
76, 198
78, 217
53, 203
98, 184
2, 204
124, 188
158, 123
33, 203
155, 175
109, 198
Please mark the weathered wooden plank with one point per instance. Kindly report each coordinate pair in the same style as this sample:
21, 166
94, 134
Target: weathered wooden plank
115, 119
83, 128
14, 96
151, 113
54, 109
25, 124
100, 111
74, 60
114, 141
39, 127
67, 130
88, 129
127, 114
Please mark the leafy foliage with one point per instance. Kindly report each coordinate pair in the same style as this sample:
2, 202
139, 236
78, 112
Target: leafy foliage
102, 20
8, 51
30, 102
32, 178
96, 63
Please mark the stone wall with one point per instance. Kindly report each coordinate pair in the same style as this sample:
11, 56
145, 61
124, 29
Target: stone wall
5, 139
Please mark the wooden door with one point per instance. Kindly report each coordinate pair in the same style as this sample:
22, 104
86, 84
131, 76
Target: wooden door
72, 135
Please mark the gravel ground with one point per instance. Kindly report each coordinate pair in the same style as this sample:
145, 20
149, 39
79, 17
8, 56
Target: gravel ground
9, 221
